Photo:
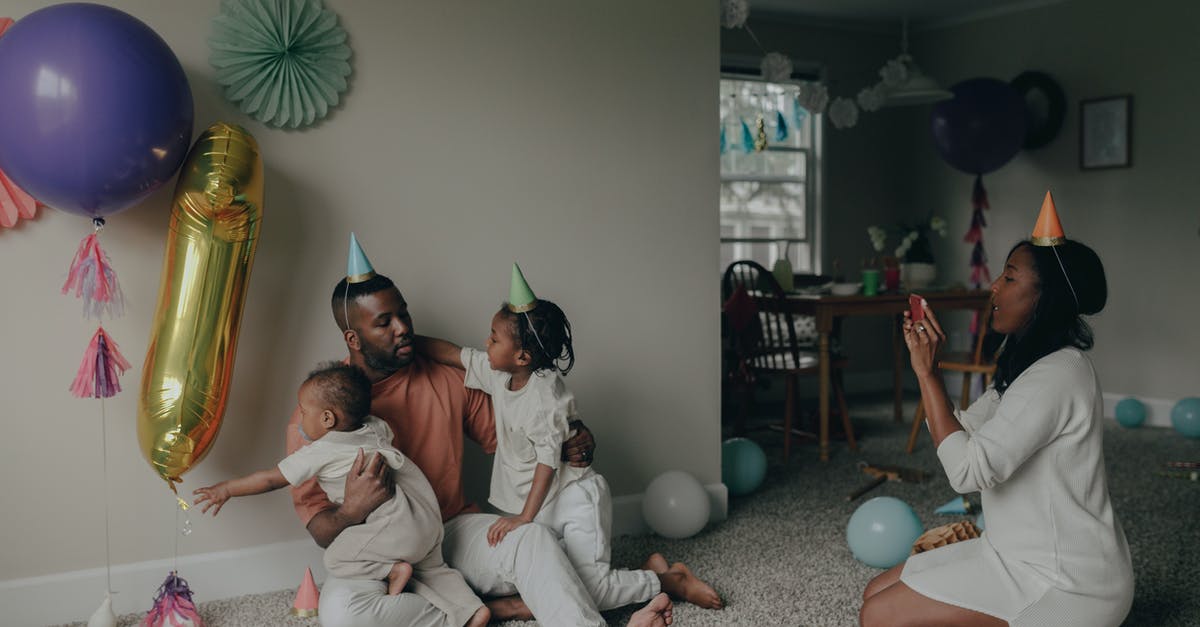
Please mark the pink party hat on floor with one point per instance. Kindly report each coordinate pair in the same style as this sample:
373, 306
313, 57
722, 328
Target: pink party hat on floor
307, 597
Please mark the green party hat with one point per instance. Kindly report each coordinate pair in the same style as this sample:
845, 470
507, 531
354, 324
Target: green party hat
358, 267
520, 297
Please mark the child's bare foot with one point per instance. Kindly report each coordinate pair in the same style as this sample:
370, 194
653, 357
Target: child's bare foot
656, 613
480, 618
680, 583
656, 563
398, 578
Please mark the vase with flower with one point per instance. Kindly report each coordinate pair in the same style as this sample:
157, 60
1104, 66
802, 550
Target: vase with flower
915, 250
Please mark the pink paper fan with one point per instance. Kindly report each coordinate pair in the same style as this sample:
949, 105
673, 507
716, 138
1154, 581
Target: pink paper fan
15, 204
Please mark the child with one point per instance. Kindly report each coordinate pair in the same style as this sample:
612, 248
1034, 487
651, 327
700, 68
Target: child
529, 350
402, 538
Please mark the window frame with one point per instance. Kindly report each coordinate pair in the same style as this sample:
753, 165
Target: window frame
813, 182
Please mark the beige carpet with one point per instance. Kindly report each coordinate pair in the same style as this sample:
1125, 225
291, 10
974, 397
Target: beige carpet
781, 557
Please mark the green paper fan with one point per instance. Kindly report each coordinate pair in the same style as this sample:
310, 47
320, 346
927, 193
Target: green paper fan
282, 61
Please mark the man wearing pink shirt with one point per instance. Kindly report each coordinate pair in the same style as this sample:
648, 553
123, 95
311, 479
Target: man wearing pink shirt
430, 412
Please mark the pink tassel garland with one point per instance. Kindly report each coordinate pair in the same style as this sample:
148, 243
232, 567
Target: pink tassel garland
92, 277
173, 606
974, 235
102, 364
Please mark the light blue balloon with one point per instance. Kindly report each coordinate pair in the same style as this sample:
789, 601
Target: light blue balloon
743, 465
882, 531
1185, 416
1131, 413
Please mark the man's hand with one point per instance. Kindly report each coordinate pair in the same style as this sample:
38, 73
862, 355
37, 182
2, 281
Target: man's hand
501, 527
214, 496
579, 450
368, 485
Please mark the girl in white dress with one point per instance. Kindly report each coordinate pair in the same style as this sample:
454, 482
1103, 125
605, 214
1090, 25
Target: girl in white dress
1053, 552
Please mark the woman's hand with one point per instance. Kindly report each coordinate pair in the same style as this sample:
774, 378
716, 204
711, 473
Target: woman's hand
924, 339
580, 448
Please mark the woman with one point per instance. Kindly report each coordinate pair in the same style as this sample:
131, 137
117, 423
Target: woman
1053, 552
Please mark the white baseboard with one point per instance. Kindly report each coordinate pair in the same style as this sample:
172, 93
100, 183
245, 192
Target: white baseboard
73, 596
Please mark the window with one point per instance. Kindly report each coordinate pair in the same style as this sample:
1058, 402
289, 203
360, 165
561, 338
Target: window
769, 175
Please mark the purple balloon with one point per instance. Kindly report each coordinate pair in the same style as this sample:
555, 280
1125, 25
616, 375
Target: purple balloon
97, 110
982, 127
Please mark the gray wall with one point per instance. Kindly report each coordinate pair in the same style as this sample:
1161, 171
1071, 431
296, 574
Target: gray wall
572, 137
1144, 220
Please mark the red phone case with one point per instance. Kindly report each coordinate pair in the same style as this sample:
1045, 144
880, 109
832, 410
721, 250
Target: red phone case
914, 304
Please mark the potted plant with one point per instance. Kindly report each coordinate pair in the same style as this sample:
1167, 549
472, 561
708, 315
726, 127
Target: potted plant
915, 250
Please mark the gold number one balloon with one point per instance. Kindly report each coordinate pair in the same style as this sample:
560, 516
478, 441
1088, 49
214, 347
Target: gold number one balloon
216, 215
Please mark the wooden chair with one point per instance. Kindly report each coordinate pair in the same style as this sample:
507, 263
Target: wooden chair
764, 342
969, 364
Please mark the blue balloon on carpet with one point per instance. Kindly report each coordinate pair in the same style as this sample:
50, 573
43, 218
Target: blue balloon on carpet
743, 465
882, 531
1131, 412
1185, 416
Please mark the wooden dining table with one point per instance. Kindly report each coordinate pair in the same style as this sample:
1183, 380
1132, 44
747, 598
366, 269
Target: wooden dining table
829, 310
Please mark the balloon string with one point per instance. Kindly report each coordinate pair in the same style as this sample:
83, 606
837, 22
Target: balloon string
104, 476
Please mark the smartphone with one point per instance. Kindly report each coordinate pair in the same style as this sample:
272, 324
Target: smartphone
914, 304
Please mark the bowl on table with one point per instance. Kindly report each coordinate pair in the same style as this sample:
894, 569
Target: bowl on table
845, 289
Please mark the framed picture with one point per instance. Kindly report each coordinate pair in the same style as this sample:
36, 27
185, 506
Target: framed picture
1105, 133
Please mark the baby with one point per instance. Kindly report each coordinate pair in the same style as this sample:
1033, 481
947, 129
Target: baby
402, 538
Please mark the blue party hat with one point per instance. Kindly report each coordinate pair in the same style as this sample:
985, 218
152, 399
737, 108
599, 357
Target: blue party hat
956, 505
358, 267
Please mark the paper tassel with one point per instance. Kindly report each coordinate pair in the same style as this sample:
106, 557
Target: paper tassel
724, 147
781, 129
173, 606
15, 203
974, 235
102, 364
91, 277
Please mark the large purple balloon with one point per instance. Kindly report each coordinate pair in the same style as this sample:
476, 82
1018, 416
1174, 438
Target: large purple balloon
97, 110
982, 127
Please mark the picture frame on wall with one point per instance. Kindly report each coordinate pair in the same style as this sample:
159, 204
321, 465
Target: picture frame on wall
1106, 133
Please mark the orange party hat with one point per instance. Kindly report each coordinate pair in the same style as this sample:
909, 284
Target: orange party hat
1048, 231
307, 597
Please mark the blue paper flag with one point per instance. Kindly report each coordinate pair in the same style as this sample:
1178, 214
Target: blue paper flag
747, 138
781, 130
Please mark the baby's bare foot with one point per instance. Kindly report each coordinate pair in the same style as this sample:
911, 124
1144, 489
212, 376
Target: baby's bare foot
680, 583
480, 618
398, 578
656, 563
656, 613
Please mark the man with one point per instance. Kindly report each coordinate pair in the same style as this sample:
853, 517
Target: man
430, 411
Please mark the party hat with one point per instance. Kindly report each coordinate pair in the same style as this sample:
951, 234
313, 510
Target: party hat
1048, 231
358, 267
520, 297
956, 505
307, 597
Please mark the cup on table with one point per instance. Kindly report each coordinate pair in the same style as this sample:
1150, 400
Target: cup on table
870, 282
891, 278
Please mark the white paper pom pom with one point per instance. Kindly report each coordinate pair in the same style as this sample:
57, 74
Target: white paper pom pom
813, 97
872, 98
734, 13
843, 113
776, 67
894, 72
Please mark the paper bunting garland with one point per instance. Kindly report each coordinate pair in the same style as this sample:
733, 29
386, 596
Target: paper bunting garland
285, 62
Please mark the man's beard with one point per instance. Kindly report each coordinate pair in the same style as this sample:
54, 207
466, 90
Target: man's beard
383, 360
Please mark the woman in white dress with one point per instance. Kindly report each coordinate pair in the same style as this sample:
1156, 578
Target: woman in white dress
1053, 552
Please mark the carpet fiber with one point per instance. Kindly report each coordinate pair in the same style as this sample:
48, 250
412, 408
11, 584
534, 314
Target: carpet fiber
781, 557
